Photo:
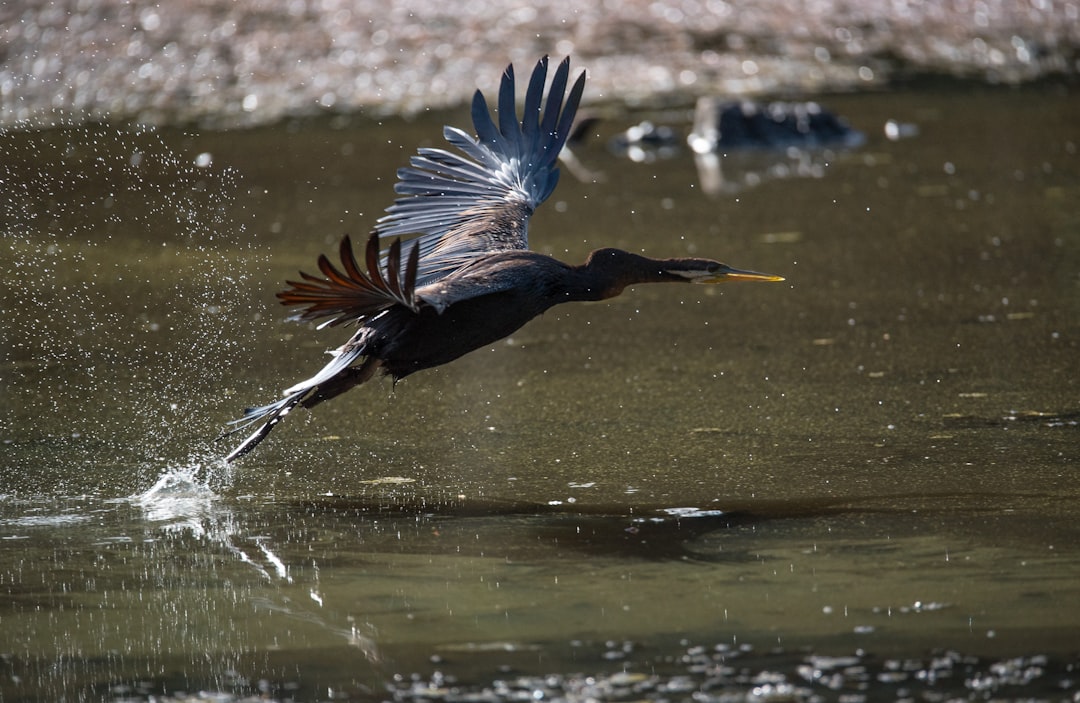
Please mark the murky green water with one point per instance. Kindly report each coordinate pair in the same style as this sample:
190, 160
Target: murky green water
876, 459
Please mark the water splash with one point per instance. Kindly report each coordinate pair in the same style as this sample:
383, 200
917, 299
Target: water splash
119, 260
180, 500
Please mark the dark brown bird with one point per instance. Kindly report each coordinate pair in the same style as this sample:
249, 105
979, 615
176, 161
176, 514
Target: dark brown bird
469, 278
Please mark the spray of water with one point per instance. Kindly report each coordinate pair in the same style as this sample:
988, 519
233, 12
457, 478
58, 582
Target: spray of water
124, 258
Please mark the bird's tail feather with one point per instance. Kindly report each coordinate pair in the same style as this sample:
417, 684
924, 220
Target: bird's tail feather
269, 415
348, 378
334, 379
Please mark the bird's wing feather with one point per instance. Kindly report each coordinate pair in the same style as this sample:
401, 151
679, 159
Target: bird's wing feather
464, 205
350, 294
501, 272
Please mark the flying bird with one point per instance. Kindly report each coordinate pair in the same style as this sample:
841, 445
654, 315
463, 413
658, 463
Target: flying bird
465, 277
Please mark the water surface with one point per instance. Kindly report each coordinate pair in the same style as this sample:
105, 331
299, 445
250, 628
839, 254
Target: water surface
875, 459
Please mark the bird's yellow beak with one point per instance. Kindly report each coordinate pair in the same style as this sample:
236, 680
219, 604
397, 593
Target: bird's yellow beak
726, 273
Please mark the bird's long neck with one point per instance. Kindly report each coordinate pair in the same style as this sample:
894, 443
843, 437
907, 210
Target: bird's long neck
608, 271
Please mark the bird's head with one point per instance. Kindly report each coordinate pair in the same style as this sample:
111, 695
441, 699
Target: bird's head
709, 271
608, 271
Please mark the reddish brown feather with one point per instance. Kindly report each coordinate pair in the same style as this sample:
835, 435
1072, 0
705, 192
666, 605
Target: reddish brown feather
372, 254
332, 273
348, 259
351, 294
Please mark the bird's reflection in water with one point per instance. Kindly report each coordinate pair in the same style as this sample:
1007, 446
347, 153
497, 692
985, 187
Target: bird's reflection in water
181, 506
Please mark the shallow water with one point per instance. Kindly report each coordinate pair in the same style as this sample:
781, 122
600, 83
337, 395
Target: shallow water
875, 459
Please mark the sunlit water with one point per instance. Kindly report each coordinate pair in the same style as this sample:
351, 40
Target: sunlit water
861, 482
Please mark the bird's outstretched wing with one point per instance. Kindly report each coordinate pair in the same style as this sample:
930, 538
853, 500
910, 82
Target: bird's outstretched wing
463, 205
351, 295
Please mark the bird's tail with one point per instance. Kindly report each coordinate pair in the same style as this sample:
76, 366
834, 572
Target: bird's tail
268, 415
334, 379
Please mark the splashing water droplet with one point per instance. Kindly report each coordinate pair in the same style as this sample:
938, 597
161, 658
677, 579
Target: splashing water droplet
118, 267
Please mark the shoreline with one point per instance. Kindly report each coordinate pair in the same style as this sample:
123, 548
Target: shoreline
232, 64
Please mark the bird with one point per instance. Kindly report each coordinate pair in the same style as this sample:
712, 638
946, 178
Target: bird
458, 274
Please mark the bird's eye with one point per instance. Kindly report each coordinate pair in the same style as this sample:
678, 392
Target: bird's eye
712, 267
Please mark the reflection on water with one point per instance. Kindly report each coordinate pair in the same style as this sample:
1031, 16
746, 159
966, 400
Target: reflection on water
180, 587
167, 589
800, 492
178, 503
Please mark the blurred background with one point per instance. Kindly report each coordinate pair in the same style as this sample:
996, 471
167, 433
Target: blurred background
255, 61
857, 485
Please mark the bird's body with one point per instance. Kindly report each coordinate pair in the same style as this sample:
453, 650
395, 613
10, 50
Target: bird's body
469, 278
491, 299
468, 309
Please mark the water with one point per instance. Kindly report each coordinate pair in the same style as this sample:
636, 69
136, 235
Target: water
685, 489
